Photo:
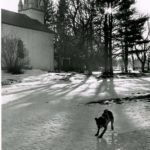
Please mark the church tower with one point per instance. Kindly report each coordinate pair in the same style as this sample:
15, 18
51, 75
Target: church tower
32, 8
20, 5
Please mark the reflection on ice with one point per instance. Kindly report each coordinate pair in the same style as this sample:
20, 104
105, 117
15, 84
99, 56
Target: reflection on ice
135, 140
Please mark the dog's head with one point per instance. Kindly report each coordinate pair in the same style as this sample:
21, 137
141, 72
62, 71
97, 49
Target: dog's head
106, 111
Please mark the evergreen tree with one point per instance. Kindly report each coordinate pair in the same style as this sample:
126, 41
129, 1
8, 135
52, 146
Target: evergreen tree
62, 28
129, 29
142, 45
49, 14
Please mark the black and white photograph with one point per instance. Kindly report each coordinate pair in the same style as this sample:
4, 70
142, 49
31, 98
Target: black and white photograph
75, 74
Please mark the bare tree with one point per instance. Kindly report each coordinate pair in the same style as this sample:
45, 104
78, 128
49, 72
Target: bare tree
142, 50
14, 54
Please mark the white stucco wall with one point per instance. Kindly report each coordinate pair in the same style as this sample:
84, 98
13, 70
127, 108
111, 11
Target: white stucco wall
34, 14
38, 43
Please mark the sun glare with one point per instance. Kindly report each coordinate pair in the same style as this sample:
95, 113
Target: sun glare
108, 10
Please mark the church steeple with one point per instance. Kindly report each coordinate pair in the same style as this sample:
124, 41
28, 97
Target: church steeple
20, 5
31, 4
32, 8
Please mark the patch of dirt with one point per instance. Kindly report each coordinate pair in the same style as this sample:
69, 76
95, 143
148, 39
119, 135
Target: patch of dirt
125, 75
10, 81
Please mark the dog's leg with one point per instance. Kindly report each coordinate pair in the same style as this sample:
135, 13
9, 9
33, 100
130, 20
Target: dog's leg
112, 122
103, 132
97, 132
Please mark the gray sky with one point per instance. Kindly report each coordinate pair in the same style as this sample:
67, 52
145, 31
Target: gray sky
142, 5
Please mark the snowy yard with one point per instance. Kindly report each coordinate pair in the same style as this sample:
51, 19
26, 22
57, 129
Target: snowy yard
49, 111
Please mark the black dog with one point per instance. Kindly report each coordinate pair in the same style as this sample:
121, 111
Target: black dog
103, 121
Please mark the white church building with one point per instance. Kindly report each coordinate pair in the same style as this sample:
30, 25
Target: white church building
28, 25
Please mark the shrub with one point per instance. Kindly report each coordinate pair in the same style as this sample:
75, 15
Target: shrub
14, 55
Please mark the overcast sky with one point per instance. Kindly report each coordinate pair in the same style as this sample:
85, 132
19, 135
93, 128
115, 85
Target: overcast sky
142, 5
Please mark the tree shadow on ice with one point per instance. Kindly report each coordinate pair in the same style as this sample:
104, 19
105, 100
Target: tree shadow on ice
106, 87
26, 96
44, 93
61, 92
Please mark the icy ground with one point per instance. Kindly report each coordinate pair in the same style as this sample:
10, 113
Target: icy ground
47, 112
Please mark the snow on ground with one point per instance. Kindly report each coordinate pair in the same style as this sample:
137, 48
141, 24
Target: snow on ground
45, 111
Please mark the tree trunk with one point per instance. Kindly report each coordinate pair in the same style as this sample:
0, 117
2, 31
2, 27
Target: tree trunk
110, 46
59, 63
148, 64
106, 68
144, 61
126, 58
133, 62
143, 66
